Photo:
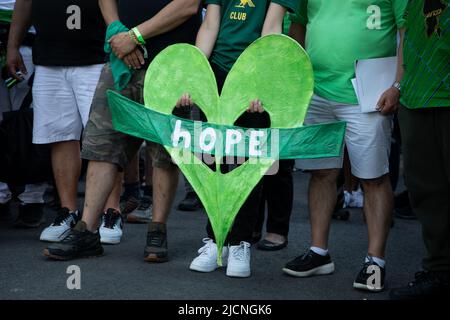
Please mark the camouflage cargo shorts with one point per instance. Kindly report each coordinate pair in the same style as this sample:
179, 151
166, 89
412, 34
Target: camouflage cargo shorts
101, 142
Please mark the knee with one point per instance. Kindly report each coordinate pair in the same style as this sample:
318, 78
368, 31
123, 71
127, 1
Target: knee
376, 182
325, 175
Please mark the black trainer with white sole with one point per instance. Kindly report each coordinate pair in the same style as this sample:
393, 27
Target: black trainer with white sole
79, 243
370, 277
309, 264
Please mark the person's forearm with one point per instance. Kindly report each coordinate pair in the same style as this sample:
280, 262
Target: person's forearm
207, 35
273, 23
298, 33
109, 10
400, 68
21, 22
170, 17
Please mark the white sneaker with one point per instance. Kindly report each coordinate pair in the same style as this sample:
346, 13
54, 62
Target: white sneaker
239, 261
357, 199
207, 259
111, 227
63, 222
347, 199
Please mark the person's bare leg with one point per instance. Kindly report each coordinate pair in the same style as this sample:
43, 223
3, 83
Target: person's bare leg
100, 181
113, 201
66, 162
378, 208
165, 182
322, 200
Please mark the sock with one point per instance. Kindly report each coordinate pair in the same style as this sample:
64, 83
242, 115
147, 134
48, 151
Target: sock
378, 261
148, 191
320, 251
131, 189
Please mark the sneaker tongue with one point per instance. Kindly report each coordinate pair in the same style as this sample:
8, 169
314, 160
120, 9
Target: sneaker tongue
80, 226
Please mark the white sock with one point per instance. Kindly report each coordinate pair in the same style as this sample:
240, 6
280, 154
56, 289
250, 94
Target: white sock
320, 251
378, 261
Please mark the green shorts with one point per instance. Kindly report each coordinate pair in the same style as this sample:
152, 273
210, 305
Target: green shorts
101, 142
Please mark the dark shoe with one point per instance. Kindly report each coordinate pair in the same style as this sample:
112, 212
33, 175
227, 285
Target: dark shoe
190, 203
309, 264
78, 243
143, 214
156, 249
342, 214
365, 280
128, 204
30, 215
267, 245
426, 285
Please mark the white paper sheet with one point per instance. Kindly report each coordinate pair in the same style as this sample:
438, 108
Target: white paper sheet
373, 77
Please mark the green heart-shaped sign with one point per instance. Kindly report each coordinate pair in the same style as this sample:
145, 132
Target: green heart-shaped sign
274, 69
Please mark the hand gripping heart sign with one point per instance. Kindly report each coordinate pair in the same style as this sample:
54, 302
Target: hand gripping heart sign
274, 69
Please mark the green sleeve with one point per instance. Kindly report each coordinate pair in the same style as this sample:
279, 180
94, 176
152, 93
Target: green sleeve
301, 16
290, 5
218, 2
399, 8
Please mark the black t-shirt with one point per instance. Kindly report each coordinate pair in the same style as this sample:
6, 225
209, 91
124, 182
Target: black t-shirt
134, 12
68, 33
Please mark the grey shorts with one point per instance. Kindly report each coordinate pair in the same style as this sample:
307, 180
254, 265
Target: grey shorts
101, 142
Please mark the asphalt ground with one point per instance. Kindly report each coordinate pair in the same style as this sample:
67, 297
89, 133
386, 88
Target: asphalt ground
123, 274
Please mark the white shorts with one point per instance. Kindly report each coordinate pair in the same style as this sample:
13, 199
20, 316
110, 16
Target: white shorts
62, 98
368, 138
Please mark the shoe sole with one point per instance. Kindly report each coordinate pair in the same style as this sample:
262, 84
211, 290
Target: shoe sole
152, 257
272, 248
198, 268
94, 254
319, 271
106, 240
233, 274
365, 287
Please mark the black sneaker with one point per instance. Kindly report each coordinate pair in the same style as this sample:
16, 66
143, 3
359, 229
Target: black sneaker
309, 264
367, 278
156, 249
78, 243
426, 285
30, 215
190, 203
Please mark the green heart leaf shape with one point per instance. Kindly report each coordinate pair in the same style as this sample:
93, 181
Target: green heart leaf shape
274, 69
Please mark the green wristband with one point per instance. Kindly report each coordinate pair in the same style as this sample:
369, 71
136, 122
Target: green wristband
139, 36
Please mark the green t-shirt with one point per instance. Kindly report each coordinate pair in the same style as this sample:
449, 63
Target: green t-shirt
339, 32
426, 53
241, 24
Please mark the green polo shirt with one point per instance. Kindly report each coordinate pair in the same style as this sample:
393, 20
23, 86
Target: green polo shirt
241, 24
426, 53
340, 32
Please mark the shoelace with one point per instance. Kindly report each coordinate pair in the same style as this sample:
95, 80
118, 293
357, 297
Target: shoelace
110, 219
242, 252
205, 250
63, 216
156, 238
